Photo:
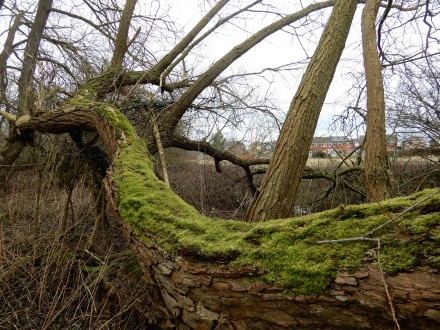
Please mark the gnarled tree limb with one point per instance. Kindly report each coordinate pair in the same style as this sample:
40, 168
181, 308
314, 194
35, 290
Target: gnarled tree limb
202, 279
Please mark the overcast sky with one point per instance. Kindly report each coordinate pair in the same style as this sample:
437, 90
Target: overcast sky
280, 49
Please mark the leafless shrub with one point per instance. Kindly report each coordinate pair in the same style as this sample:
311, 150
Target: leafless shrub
195, 179
47, 279
412, 173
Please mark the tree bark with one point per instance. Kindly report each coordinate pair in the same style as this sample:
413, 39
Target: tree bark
376, 163
121, 42
193, 290
280, 185
4, 55
25, 89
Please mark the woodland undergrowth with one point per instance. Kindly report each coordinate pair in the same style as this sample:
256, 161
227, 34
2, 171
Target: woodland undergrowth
51, 279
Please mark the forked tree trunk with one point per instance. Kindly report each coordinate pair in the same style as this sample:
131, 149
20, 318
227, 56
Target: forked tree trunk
121, 42
25, 88
376, 164
281, 182
194, 289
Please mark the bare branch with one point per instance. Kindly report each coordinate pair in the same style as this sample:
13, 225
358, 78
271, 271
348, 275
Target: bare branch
81, 18
171, 56
202, 37
8, 116
121, 42
214, 71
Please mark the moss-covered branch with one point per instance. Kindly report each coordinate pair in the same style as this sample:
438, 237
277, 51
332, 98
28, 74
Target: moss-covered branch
284, 251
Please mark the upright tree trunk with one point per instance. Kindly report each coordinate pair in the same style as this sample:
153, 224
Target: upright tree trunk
121, 43
281, 182
4, 55
375, 172
25, 90
13, 150
114, 71
8, 156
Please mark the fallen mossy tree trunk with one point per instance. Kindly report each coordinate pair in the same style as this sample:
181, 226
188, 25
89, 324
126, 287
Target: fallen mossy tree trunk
210, 273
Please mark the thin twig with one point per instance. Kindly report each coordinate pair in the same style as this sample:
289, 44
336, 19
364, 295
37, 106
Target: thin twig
94, 256
160, 150
379, 29
18, 165
365, 238
351, 239
390, 301
409, 209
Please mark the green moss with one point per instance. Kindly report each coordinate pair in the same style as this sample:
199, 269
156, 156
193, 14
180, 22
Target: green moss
434, 262
404, 254
422, 224
91, 88
285, 249
399, 255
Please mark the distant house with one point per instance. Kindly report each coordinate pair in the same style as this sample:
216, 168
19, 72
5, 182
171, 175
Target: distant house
262, 149
414, 142
392, 142
326, 145
333, 145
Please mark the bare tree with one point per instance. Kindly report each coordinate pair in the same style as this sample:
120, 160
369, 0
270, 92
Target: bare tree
198, 268
281, 183
25, 83
415, 104
376, 163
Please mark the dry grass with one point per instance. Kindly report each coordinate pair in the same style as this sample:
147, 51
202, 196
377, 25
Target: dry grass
47, 279
227, 195
224, 195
